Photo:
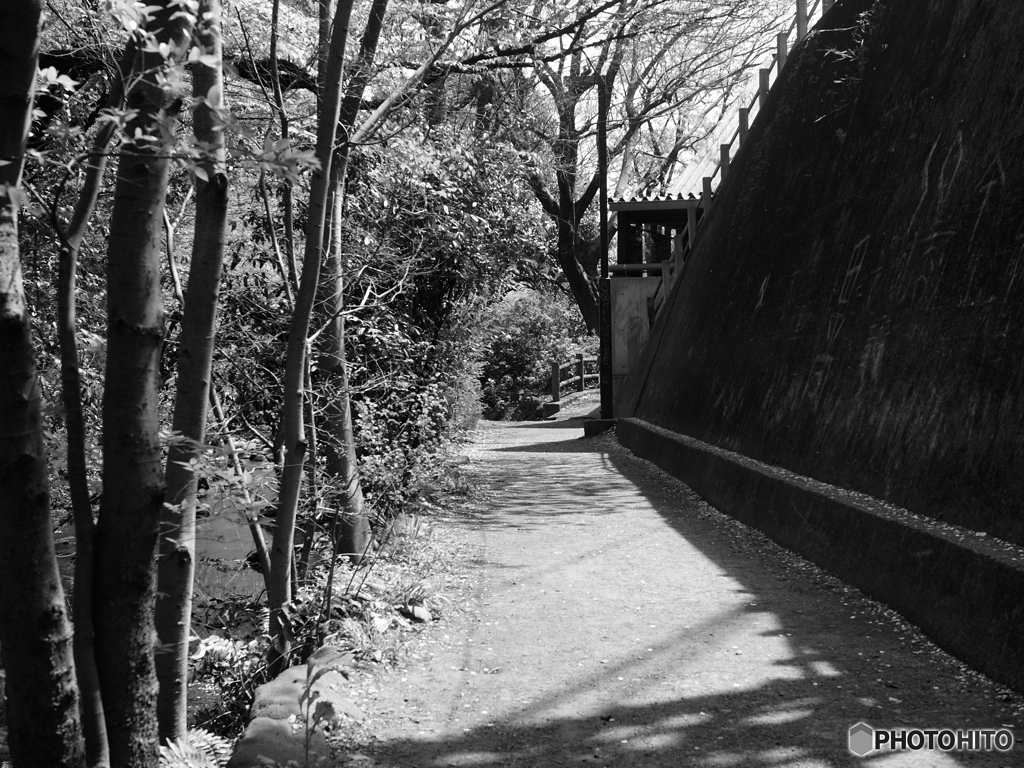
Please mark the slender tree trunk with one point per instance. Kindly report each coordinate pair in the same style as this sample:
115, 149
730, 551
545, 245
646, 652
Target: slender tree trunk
342, 469
582, 283
298, 331
133, 488
178, 522
35, 634
93, 723
341, 465
85, 528
133, 478
258, 541
287, 197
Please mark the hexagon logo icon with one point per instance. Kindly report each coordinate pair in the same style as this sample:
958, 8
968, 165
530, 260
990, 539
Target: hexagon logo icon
861, 739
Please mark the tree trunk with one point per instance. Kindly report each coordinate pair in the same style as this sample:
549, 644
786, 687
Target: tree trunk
35, 634
578, 258
342, 467
582, 281
298, 330
93, 722
133, 481
178, 521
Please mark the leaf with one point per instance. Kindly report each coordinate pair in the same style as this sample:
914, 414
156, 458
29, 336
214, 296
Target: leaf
213, 96
324, 712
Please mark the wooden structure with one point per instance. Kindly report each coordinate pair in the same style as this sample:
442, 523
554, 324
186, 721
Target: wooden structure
655, 234
585, 372
654, 239
578, 381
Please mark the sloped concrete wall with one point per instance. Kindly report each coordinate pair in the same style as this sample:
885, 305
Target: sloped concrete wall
854, 307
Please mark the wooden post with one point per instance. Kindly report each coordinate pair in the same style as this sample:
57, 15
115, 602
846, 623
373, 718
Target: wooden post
691, 225
781, 46
706, 194
801, 20
826, 5
579, 370
677, 254
556, 381
604, 294
764, 83
724, 163
744, 124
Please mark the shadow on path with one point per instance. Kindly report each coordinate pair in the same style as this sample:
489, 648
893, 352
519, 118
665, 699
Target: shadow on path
768, 661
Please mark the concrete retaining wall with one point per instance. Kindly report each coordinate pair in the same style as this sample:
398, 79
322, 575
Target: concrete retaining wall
853, 309
965, 591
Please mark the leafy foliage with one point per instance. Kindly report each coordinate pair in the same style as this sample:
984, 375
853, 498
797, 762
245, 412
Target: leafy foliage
524, 334
236, 667
197, 749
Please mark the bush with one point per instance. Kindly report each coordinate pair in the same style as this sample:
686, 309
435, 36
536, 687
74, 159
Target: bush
522, 335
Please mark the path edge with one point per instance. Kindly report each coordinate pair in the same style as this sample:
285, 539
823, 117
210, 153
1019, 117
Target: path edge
966, 595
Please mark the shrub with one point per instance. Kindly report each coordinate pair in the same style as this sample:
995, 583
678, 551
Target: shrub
523, 333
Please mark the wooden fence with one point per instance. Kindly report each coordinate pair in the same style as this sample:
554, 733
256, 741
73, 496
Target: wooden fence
577, 381
702, 177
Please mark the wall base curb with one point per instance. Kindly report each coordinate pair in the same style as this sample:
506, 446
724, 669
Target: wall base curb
964, 590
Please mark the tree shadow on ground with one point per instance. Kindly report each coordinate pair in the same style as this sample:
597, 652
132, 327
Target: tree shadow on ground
837, 668
562, 423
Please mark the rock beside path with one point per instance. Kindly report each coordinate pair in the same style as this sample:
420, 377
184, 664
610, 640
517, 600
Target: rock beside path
309, 696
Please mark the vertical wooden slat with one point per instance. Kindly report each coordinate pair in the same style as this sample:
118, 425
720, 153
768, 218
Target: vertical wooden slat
744, 124
801, 19
604, 289
764, 82
781, 49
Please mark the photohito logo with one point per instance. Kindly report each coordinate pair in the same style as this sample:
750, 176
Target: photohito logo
862, 739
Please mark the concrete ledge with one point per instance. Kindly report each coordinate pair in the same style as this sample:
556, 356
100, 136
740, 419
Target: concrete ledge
965, 590
594, 427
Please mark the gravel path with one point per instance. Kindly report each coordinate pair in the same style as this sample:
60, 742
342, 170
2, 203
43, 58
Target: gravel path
611, 618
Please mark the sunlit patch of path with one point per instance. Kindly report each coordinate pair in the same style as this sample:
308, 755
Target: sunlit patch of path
617, 620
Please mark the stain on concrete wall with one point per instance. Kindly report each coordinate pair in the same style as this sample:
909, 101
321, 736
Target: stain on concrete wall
630, 323
854, 307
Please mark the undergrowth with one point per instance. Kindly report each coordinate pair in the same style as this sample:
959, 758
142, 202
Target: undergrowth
371, 611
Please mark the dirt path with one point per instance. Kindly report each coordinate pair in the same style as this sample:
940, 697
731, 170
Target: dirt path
614, 619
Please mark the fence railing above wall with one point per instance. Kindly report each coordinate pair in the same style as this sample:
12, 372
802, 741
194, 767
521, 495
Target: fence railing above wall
703, 177
700, 177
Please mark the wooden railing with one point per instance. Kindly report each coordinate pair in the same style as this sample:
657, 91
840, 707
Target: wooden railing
703, 177
577, 382
700, 177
